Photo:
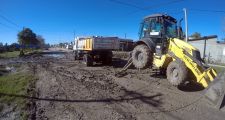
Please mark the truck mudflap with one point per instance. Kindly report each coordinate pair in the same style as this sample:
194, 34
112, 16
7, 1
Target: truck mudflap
215, 92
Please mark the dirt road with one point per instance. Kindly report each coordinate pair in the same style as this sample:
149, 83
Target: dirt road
67, 90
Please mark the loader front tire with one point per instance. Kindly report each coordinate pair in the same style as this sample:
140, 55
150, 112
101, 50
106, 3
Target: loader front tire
142, 56
177, 73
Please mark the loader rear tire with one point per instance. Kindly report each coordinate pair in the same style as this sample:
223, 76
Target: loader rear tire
177, 73
142, 56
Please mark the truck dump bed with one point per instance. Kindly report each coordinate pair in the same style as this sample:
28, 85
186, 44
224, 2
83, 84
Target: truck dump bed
97, 43
105, 43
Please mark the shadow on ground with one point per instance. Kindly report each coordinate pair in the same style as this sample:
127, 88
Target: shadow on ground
191, 87
130, 95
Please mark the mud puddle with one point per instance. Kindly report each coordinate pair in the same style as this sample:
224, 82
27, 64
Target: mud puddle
53, 54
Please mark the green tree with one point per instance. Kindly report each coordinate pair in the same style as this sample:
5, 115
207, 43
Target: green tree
196, 35
41, 41
61, 45
27, 37
1, 47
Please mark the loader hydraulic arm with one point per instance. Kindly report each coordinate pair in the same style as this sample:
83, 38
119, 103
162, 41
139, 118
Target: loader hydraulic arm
179, 50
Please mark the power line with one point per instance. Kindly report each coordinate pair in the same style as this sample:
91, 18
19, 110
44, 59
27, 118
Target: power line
5, 25
127, 4
213, 11
162, 4
145, 8
8, 26
9, 21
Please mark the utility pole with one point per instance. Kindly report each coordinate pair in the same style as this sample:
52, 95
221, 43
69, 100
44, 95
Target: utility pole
125, 35
186, 24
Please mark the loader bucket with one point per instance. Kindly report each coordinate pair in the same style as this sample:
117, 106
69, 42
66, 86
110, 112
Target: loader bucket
215, 92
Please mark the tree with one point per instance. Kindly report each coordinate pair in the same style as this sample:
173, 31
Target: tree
1, 48
47, 45
61, 45
6, 47
27, 37
1, 44
196, 35
41, 41
14, 47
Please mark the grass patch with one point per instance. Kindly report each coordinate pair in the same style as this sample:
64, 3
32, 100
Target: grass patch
29, 51
16, 83
17, 53
9, 54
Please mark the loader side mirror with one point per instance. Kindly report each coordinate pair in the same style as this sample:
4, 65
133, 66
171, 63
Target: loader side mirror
180, 33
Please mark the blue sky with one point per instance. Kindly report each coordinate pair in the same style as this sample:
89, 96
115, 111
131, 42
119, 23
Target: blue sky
56, 20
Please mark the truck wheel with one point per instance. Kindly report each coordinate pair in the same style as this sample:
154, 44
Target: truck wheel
75, 57
177, 73
142, 57
87, 60
107, 58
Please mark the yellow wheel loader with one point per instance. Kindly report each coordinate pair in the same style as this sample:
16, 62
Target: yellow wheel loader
160, 46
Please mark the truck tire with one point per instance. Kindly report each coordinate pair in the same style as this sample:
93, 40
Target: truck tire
142, 56
107, 59
75, 56
177, 73
88, 61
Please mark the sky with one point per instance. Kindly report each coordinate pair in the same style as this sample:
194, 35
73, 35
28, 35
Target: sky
60, 20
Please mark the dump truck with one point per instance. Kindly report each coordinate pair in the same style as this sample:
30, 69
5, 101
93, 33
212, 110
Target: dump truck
160, 46
96, 49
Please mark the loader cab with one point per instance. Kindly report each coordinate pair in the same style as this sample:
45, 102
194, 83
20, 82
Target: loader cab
158, 27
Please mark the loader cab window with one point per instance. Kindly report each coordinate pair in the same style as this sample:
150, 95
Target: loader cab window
171, 29
155, 27
144, 29
150, 28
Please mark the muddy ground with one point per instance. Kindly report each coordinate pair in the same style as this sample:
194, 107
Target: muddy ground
68, 90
